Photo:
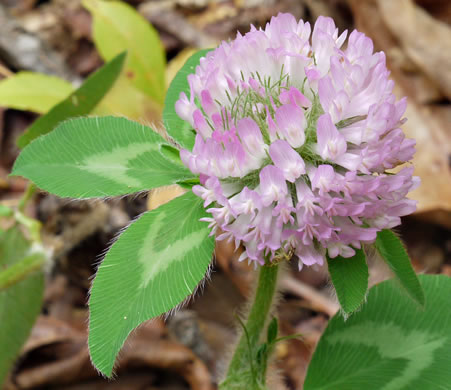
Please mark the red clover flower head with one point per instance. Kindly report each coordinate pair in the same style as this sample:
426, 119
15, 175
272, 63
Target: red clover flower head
294, 139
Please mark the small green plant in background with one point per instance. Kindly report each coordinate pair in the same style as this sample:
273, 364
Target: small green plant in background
80, 102
22, 261
397, 338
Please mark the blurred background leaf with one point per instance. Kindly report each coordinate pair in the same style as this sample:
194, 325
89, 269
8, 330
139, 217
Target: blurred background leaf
33, 91
80, 102
118, 27
123, 99
20, 303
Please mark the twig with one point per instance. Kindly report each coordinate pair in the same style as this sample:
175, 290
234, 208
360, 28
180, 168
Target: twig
318, 300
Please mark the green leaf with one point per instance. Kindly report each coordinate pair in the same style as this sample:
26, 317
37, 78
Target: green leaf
155, 265
13, 247
118, 27
17, 272
32, 225
123, 99
96, 157
5, 211
392, 251
20, 304
33, 91
350, 279
180, 130
391, 344
261, 358
273, 330
80, 102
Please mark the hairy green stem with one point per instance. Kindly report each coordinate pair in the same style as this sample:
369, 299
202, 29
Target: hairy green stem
20, 271
28, 194
239, 373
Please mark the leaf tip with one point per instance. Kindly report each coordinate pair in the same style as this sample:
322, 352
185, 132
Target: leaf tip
102, 366
421, 299
16, 171
22, 141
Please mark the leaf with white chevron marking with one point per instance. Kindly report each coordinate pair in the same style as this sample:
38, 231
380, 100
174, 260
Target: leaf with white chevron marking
96, 157
155, 265
391, 344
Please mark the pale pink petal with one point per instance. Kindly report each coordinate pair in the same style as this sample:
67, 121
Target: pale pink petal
291, 123
273, 186
288, 160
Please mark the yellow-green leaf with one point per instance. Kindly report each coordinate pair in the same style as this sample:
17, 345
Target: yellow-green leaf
80, 102
118, 27
33, 91
124, 99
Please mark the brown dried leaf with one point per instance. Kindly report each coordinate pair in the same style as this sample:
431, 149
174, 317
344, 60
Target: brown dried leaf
58, 371
63, 357
293, 356
240, 273
134, 381
431, 160
319, 301
425, 124
159, 196
440, 9
427, 41
166, 354
49, 330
